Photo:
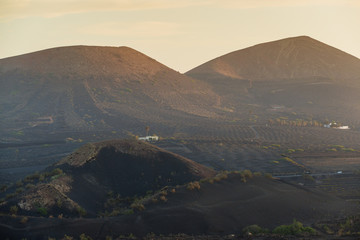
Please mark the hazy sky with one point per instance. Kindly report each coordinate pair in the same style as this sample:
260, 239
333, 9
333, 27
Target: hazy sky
181, 34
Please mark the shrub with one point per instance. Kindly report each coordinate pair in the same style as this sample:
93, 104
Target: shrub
31, 178
296, 228
59, 203
137, 206
81, 211
128, 212
193, 185
19, 190
221, 176
254, 229
14, 209
308, 177
24, 220
84, 237
268, 175
257, 174
42, 211
163, 198
350, 227
10, 195
247, 173
66, 237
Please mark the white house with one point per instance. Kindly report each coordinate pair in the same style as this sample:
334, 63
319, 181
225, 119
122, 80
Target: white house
330, 125
149, 138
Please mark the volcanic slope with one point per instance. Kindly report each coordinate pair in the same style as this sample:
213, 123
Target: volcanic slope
98, 175
221, 205
300, 73
88, 88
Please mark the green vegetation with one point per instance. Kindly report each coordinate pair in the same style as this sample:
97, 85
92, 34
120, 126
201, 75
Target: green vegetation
335, 148
308, 177
268, 175
14, 209
24, 220
284, 121
351, 227
291, 161
19, 190
81, 211
18, 133
137, 205
296, 228
83, 236
42, 211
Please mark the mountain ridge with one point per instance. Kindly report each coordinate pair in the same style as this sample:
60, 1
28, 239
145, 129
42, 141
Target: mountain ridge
87, 87
289, 58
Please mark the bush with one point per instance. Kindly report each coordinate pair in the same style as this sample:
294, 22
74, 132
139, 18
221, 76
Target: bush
137, 206
42, 211
247, 173
84, 237
254, 229
24, 220
296, 228
19, 190
193, 185
163, 198
268, 175
81, 211
14, 209
350, 227
31, 178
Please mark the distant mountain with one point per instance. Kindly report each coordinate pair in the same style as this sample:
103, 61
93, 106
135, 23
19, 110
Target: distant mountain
94, 88
298, 75
290, 59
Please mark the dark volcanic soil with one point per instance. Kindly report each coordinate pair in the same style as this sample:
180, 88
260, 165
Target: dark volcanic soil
223, 207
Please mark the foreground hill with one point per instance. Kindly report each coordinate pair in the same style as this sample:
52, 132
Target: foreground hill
95, 88
296, 75
98, 172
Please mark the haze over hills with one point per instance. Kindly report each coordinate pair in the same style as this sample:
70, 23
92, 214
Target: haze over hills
87, 88
299, 74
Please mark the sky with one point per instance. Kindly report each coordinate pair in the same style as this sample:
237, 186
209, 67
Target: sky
181, 34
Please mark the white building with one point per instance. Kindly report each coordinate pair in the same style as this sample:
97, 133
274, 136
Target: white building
330, 125
149, 138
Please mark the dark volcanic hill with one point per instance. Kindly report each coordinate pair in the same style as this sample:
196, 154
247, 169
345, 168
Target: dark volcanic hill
300, 75
95, 88
99, 174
